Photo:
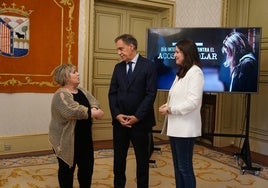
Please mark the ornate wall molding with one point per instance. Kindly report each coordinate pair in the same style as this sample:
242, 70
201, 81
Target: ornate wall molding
35, 38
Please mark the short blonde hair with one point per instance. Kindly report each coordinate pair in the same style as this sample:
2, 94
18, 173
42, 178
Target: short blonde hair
62, 72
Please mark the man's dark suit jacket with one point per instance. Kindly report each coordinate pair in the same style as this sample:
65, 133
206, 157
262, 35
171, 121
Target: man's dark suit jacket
136, 97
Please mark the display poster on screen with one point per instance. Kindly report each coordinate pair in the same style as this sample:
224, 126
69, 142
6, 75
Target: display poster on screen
229, 56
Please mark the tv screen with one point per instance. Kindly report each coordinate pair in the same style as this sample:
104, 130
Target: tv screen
229, 56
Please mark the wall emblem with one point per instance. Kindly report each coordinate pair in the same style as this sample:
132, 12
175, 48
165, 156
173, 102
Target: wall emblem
14, 40
14, 31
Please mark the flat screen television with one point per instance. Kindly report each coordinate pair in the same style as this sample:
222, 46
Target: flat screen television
229, 56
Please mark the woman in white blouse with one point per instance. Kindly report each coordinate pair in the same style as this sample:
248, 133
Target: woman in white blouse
182, 111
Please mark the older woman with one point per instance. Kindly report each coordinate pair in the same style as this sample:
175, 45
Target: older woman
70, 135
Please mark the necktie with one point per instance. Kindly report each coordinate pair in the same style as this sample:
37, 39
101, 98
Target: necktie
129, 72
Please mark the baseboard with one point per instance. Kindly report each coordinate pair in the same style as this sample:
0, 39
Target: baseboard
24, 144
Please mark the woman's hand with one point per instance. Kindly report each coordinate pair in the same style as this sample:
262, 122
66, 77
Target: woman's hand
96, 113
163, 110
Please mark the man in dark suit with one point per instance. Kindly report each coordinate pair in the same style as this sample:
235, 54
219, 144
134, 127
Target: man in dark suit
131, 103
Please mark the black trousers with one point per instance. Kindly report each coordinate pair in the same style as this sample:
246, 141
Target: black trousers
122, 137
84, 160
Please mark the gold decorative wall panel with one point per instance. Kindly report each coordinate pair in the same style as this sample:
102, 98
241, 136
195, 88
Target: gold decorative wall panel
109, 23
232, 109
138, 24
103, 68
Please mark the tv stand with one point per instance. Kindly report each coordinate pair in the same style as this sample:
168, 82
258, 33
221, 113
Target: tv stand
152, 148
245, 153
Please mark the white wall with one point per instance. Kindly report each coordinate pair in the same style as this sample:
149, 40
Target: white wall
29, 113
24, 113
193, 13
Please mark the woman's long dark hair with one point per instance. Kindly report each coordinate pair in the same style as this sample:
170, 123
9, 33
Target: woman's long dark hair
191, 56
